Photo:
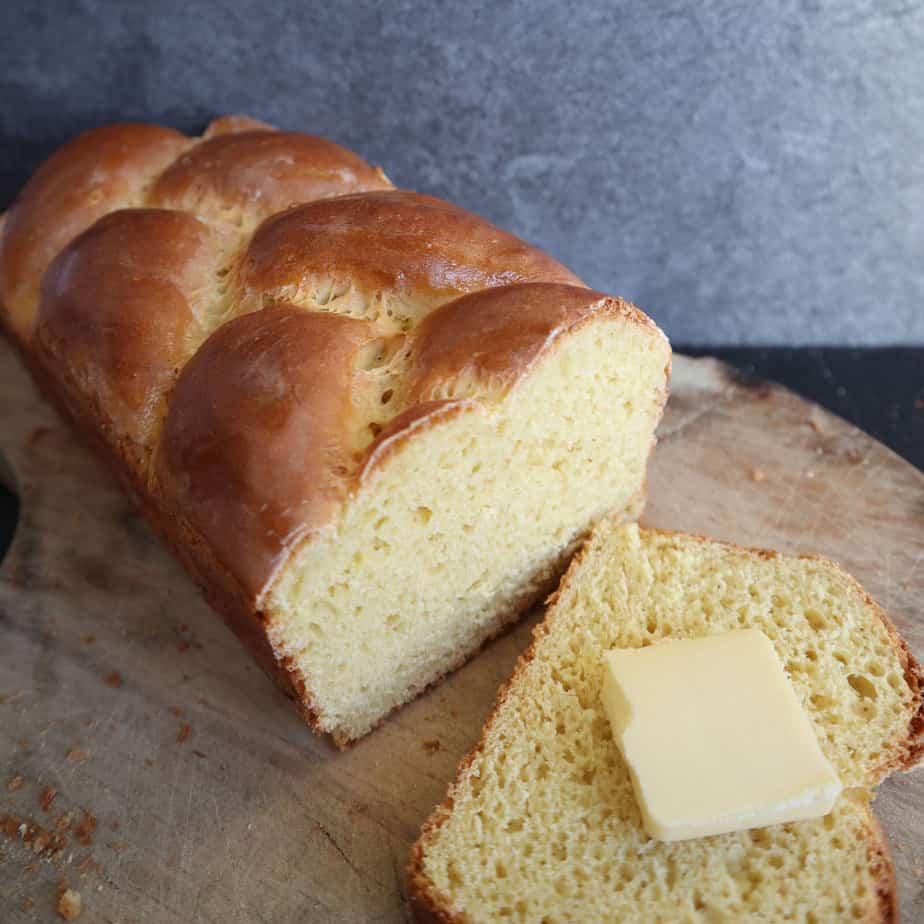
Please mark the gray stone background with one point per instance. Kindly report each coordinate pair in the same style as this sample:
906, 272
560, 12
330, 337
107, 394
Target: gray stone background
746, 172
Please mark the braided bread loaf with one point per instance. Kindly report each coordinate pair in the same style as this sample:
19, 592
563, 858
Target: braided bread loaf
372, 425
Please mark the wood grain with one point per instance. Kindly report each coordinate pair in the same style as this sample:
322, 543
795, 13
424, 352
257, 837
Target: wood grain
122, 691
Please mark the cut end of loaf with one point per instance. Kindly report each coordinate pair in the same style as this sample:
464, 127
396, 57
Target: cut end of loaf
463, 527
542, 822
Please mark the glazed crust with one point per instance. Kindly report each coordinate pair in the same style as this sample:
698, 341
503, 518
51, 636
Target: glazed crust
120, 345
244, 173
430, 906
247, 324
96, 173
419, 250
233, 175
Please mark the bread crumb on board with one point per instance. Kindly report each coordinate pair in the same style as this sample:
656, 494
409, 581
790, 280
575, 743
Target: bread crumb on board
26, 904
14, 783
84, 831
431, 745
69, 905
757, 474
48, 796
76, 755
47, 844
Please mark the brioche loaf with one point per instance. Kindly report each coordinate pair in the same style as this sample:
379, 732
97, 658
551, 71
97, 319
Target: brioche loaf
542, 824
371, 424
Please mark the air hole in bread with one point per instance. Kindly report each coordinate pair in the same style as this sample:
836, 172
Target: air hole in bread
862, 686
816, 620
379, 353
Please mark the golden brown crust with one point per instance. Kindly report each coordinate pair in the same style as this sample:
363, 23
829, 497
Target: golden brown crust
119, 346
409, 246
102, 170
241, 171
242, 174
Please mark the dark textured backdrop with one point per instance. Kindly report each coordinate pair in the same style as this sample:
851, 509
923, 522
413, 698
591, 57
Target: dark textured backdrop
747, 172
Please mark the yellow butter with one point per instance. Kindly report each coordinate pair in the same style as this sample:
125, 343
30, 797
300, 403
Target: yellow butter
714, 736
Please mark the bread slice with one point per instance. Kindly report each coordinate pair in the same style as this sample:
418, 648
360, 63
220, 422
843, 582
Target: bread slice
541, 823
373, 425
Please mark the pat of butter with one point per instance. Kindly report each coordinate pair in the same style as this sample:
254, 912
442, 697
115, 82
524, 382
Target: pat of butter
714, 736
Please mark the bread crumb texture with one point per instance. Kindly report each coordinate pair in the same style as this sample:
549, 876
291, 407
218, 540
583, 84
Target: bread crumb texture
542, 824
450, 541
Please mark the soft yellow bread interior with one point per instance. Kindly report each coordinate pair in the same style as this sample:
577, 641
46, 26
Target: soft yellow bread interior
543, 824
467, 523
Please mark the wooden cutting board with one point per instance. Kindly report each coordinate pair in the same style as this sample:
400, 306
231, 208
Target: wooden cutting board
211, 801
